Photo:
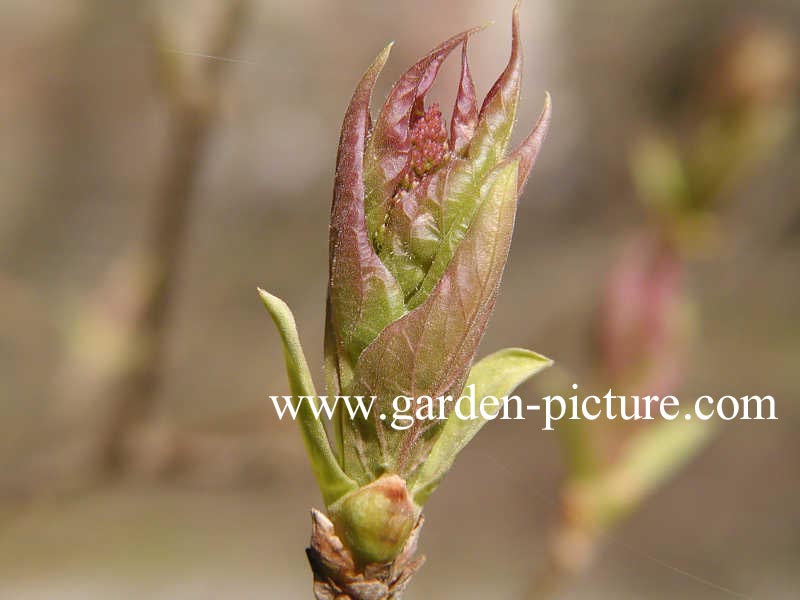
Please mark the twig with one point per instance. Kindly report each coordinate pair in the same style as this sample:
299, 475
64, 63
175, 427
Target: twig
191, 118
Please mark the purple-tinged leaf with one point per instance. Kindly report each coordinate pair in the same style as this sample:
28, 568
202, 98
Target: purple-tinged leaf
465, 111
364, 297
388, 151
528, 150
496, 117
466, 177
461, 200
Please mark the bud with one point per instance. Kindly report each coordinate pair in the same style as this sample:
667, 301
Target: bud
376, 520
643, 325
421, 223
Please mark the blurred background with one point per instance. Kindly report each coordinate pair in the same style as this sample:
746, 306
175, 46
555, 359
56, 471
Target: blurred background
159, 160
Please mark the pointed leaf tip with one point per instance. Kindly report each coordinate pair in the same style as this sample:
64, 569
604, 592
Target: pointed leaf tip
465, 111
498, 111
435, 343
508, 82
528, 150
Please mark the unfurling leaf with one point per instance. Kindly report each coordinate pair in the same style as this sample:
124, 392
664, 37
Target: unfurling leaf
332, 480
497, 375
434, 343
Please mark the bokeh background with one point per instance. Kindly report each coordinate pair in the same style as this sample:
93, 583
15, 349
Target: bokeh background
146, 190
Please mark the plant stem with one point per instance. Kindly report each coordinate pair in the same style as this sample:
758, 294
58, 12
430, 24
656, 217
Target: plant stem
191, 118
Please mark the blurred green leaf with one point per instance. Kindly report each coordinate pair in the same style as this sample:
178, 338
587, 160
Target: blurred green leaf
650, 459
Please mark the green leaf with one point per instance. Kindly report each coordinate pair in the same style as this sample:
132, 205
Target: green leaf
411, 237
331, 479
496, 375
653, 456
428, 351
463, 197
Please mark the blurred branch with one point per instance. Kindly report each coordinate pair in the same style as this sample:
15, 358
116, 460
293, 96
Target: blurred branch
107, 386
740, 115
110, 379
595, 501
644, 322
191, 116
24, 317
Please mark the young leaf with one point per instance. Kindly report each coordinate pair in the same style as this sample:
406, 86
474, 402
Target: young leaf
460, 205
497, 375
465, 111
654, 455
332, 480
528, 150
411, 237
496, 118
387, 153
363, 295
434, 343
461, 202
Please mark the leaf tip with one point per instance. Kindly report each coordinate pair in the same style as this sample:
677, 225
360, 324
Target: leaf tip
384, 54
276, 307
265, 296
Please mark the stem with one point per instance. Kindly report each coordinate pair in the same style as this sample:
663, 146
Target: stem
191, 117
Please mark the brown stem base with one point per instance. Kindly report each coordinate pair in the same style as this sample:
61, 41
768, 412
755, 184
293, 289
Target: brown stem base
337, 577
